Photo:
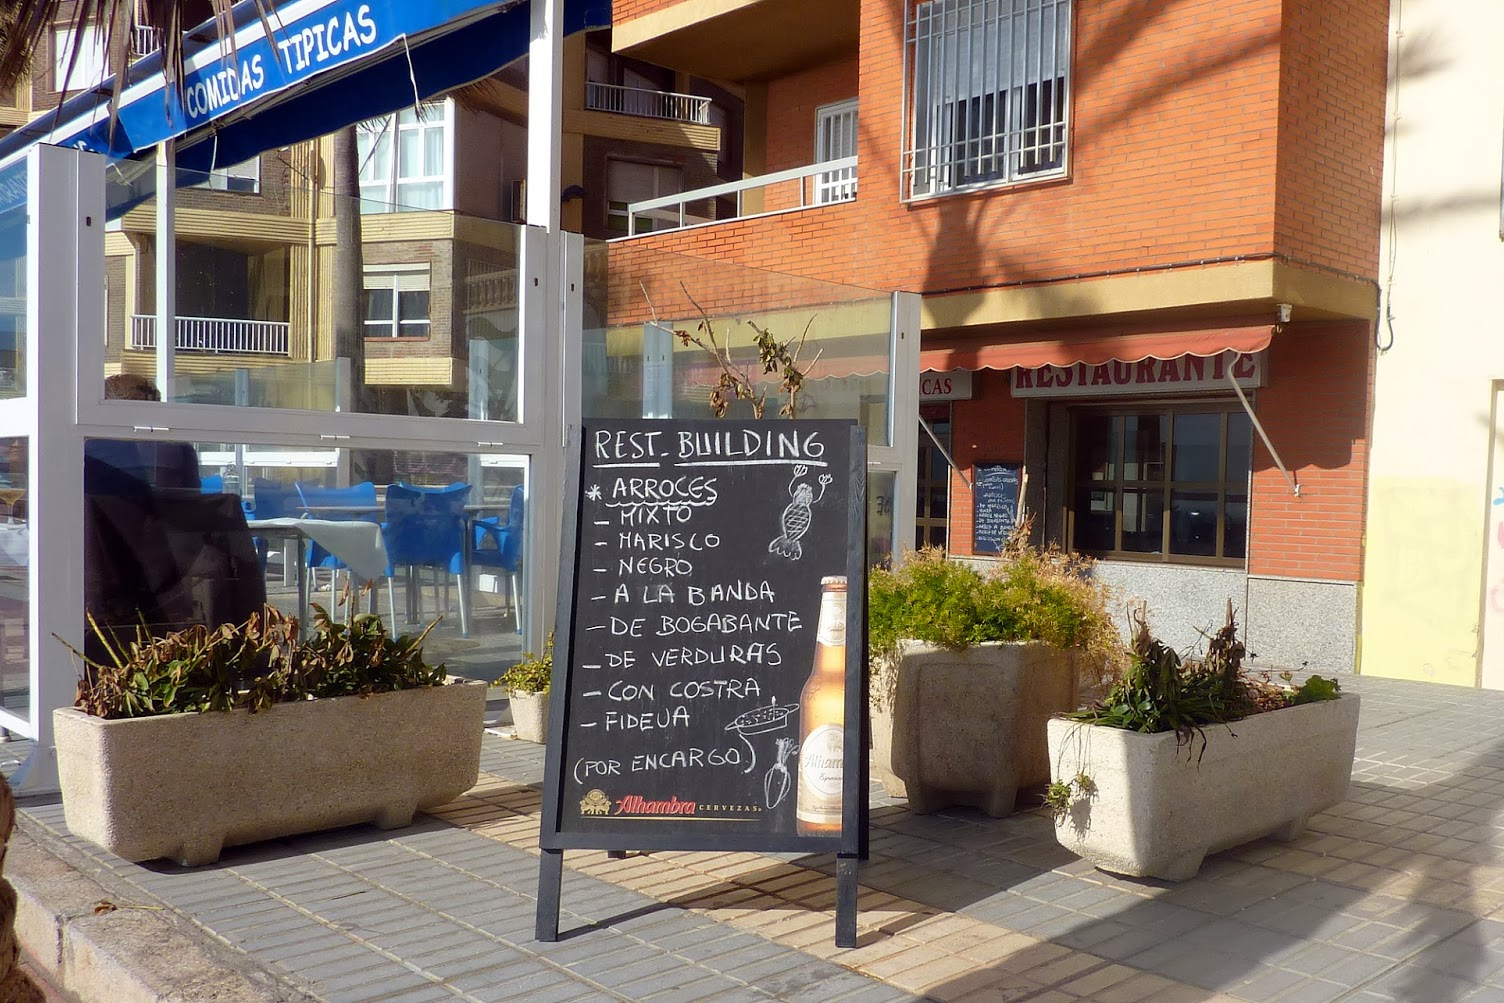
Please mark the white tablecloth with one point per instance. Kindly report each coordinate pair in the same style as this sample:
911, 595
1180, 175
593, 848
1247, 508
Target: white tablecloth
358, 544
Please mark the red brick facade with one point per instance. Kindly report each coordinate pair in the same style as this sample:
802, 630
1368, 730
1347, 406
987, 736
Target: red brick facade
1203, 132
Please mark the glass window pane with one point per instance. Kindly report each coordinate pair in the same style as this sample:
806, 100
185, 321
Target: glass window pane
420, 195
13, 286
938, 502
1143, 447
1096, 446
1198, 444
379, 303
15, 608
1143, 522
1235, 536
1193, 523
1095, 519
433, 151
412, 305
409, 154
413, 329
1239, 448
880, 487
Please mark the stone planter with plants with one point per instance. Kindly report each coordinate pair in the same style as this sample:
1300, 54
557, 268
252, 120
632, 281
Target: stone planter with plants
968, 666
527, 685
1185, 758
214, 737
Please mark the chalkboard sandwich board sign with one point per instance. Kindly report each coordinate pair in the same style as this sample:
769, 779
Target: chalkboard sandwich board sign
709, 672
996, 499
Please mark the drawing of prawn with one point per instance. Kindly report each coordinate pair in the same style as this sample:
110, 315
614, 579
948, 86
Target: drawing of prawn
796, 516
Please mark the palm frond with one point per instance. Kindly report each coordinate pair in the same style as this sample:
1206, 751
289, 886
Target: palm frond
26, 27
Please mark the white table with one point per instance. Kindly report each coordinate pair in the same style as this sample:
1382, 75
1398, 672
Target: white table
358, 544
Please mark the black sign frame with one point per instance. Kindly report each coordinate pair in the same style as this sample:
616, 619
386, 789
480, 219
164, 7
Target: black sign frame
850, 845
982, 495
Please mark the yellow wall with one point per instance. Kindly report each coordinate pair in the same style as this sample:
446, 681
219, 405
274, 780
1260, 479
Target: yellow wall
1434, 385
1424, 566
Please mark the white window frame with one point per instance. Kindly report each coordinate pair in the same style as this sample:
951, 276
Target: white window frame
384, 193
399, 279
835, 139
986, 94
93, 65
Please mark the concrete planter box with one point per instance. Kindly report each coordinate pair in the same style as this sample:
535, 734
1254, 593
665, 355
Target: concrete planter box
185, 785
529, 715
1157, 811
968, 727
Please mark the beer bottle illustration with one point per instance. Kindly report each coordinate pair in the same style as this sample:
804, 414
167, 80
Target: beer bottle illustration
822, 712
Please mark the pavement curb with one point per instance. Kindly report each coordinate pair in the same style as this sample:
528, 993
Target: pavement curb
142, 952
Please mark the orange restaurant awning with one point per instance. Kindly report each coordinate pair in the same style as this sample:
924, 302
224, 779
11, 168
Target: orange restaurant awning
950, 352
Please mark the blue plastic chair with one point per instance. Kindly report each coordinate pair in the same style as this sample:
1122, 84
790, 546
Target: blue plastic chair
270, 500
357, 496
499, 545
425, 528
214, 484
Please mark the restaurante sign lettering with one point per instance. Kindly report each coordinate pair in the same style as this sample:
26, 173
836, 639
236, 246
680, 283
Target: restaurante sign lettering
1146, 376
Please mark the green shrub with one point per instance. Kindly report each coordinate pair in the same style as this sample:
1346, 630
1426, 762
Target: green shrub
250, 665
1027, 595
534, 673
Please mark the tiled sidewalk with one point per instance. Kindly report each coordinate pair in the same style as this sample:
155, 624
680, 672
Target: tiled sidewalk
1394, 895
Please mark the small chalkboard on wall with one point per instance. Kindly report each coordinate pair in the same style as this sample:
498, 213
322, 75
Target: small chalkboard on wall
709, 672
996, 500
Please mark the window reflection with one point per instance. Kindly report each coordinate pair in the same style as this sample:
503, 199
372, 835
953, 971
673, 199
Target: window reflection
15, 580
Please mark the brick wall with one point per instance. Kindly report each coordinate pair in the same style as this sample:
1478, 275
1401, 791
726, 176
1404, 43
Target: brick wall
1316, 411
1177, 155
1331, 132
792, 102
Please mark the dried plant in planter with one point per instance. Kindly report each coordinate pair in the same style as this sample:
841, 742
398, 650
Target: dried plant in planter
250, 665
1162, 692
776, 358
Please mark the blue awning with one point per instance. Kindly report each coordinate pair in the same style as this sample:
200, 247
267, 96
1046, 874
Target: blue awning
328, 64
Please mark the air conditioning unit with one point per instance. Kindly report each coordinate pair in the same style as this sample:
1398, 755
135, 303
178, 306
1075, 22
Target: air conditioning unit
514, 200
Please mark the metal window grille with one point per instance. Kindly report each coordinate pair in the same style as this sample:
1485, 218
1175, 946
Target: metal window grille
987, 84
835, 139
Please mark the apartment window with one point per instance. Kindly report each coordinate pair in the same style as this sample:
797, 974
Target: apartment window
404, 159
242, 177
397, 302
1165, 483
85, 70
988, 86
835, 139
629, 181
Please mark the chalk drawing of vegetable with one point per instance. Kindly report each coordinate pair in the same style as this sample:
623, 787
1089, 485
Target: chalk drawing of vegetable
760, 721
796, 516
775, 786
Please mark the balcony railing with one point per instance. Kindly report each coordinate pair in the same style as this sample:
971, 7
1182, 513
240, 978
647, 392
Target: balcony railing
144, 40
647, 103
215, 335
783, 191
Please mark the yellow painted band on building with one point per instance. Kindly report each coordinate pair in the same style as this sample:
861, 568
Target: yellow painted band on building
1315, 295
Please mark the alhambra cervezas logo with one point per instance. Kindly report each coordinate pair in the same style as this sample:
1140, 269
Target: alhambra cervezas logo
636, 804
595, 803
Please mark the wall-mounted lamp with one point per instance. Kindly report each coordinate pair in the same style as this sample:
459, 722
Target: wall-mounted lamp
572, 192
1283, 312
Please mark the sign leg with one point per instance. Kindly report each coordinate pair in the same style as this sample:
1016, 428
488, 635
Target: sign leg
550, 878
846, 888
